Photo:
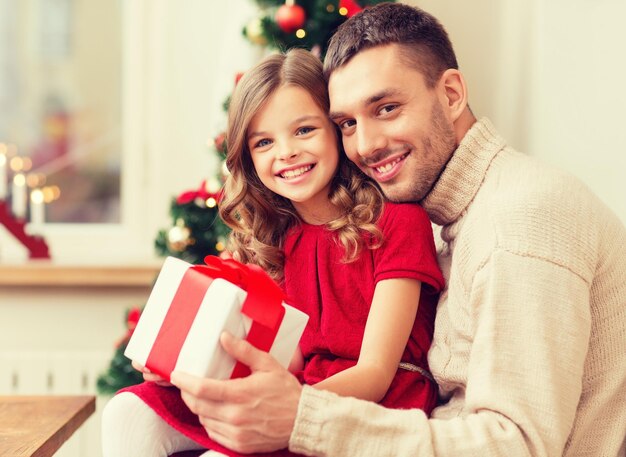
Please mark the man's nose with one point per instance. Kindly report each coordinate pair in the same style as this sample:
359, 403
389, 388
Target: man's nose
369, 140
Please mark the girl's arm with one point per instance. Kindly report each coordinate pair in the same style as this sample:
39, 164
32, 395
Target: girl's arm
387, 331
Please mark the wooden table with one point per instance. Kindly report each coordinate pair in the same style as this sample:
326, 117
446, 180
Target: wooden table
37, 426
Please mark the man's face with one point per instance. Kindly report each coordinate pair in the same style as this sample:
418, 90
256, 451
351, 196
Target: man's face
393, 126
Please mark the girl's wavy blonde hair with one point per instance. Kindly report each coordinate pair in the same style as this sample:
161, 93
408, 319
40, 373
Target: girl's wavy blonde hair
260, 218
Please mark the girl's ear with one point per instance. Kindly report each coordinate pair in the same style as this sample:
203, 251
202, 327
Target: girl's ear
453, 92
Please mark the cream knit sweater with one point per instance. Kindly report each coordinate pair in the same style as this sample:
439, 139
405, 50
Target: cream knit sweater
530, 339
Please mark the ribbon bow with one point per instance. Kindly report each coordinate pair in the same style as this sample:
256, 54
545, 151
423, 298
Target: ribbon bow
263, 304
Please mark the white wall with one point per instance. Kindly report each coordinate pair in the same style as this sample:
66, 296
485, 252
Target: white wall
550, 76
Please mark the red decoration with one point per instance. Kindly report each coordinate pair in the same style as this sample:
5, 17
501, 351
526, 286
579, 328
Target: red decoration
220, 142
201, 192
131, 323
290, 17
351, 6
36, 245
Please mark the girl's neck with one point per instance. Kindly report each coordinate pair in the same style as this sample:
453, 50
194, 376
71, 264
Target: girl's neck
319, 214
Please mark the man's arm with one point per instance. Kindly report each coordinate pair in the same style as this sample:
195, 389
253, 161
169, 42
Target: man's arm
524, 378
252, 414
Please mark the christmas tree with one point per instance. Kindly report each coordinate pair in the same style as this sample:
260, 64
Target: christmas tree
307, 24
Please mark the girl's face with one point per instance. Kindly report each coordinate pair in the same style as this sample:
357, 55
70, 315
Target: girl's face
293, 146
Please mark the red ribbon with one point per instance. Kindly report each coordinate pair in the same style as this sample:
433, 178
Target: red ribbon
263, 305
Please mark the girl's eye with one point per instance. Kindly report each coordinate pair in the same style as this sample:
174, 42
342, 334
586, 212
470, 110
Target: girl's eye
262, 143
304, 130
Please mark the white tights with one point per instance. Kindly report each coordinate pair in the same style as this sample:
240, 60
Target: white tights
130, 429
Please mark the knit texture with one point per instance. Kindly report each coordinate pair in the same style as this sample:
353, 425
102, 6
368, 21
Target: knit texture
530, 337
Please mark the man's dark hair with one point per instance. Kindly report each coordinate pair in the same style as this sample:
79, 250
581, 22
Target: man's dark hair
423, 41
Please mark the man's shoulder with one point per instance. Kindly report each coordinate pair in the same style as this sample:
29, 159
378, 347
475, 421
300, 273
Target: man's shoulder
532, 209
523, 187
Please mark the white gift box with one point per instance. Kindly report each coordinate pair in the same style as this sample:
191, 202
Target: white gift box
219, 310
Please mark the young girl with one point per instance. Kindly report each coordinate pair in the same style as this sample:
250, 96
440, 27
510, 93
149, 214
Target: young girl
364, 271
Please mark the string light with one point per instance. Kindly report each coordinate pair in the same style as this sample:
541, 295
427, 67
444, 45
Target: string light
35, 180
343, 11
27, 164
300, 33
219, 246
330, 7
51, 193
210, 203
16, 163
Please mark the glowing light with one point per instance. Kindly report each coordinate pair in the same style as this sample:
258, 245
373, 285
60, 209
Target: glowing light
27, 164
51, 193
16, 163
36, 196
210, 203
343, 11
300, 33
19, 179
219, 246
56, 192
35, 179
330, 8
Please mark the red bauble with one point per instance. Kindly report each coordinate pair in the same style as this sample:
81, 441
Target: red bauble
290, 18
351, 6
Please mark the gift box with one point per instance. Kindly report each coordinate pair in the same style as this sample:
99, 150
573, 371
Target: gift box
191, 305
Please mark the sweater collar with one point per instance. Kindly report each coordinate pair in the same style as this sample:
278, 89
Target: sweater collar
463, 175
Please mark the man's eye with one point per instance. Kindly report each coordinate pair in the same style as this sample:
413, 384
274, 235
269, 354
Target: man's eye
304, 130
347, 124
388, 109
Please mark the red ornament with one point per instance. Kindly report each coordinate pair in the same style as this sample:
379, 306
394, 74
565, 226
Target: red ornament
351, 6
220, 142
238, 76
290, 17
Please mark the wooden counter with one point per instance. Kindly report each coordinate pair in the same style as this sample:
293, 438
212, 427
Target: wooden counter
37, 426
44, 274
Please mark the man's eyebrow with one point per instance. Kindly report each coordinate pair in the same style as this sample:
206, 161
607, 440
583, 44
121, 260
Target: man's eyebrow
372, 99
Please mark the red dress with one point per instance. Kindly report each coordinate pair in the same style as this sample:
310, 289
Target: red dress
337, 297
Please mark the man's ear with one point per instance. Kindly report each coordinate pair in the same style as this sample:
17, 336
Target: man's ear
454, 92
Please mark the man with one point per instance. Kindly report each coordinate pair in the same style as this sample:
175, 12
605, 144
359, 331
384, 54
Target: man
530, 334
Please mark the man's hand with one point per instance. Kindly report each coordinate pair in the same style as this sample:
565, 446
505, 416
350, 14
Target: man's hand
252, 414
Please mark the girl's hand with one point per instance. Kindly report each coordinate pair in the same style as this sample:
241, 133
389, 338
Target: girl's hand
149, 376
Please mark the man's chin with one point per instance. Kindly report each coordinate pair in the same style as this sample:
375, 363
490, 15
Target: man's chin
397, 195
